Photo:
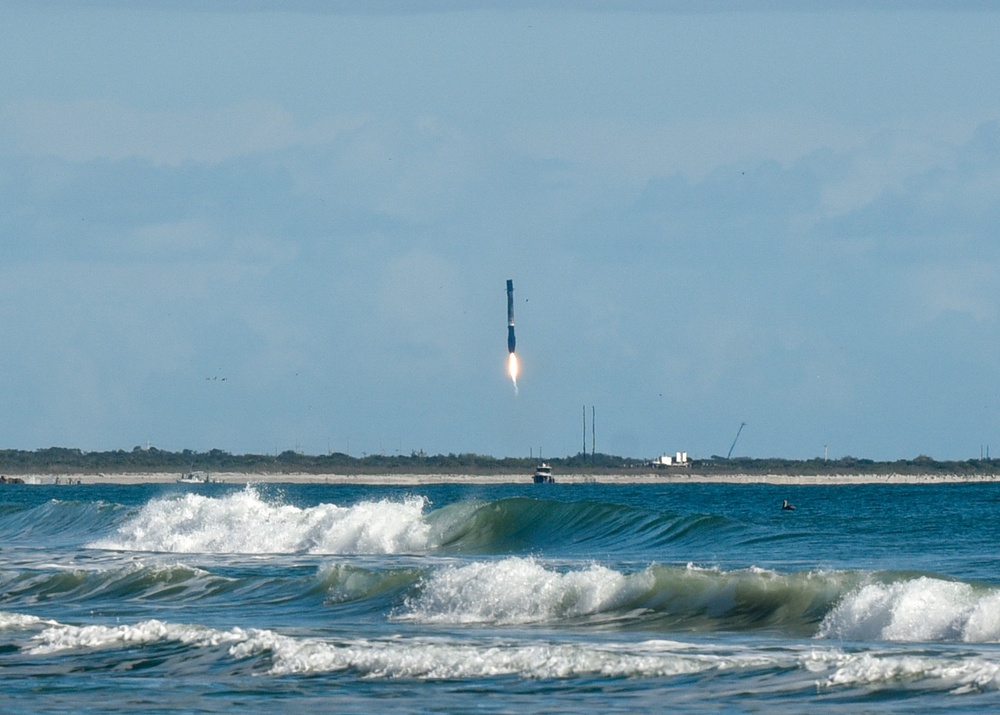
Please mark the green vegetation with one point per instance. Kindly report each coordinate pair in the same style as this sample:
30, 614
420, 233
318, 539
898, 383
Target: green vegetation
845, 465
60, 460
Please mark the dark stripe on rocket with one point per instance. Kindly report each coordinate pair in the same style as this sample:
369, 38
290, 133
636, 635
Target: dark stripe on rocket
510, 316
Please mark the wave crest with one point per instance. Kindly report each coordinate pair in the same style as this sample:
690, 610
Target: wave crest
245, 523
919, 609
521, 590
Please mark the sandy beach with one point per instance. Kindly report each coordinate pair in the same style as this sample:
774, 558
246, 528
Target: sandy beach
390, 480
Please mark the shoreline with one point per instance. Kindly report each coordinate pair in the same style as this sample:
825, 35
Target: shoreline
391, 480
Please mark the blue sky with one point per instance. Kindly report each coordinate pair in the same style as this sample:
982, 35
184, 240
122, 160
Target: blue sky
268, 226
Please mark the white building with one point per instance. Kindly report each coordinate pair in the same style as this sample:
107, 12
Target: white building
680, 459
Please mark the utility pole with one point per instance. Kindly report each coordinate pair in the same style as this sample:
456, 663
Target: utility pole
593, 434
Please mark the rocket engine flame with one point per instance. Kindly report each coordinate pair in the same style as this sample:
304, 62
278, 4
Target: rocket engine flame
512, 369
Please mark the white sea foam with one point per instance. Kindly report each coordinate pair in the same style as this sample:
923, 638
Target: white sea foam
921, 609
414, 658
62, 637
443, 658
244, 522
439, 658
520, 590
18, 621
955, 674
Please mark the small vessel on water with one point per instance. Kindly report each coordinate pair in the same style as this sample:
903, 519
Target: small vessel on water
195, 478
543, 474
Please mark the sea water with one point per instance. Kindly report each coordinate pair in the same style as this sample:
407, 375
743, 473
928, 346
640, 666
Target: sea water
499, 599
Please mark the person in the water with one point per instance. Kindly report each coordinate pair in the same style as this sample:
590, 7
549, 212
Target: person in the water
786, 506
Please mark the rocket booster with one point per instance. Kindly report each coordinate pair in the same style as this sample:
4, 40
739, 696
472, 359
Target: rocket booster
512, 360
510, 316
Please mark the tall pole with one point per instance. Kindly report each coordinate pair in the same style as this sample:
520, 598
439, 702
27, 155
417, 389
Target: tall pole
584, 431
593, 434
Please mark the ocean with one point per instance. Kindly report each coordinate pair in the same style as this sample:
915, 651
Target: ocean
555, 598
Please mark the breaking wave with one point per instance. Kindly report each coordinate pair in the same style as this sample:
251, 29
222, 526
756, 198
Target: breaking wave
846, 606
526, 591
245, 523
269, 652
917, 609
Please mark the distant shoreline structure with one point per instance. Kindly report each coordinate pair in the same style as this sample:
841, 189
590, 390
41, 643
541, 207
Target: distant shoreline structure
411, 480
151, 464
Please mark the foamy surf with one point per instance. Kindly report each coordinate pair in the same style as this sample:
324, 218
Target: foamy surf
269, 652
448, 659
956, 674
519, 590
19, 621
61, 637
918, 609
245, 523
418, 658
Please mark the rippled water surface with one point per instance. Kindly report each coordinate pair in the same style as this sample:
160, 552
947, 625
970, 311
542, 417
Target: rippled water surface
540, 598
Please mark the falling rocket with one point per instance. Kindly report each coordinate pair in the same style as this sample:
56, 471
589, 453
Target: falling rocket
510, 316
512, 360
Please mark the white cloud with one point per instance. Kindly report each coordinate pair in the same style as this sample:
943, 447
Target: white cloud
93, 129
932, 291
885, 163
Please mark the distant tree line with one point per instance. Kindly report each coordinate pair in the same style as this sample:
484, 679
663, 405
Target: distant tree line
62, 460
845, 465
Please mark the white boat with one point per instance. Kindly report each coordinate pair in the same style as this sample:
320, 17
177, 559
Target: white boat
195, 478
543, 474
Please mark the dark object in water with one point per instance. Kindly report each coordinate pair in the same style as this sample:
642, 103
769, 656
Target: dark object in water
785, 506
